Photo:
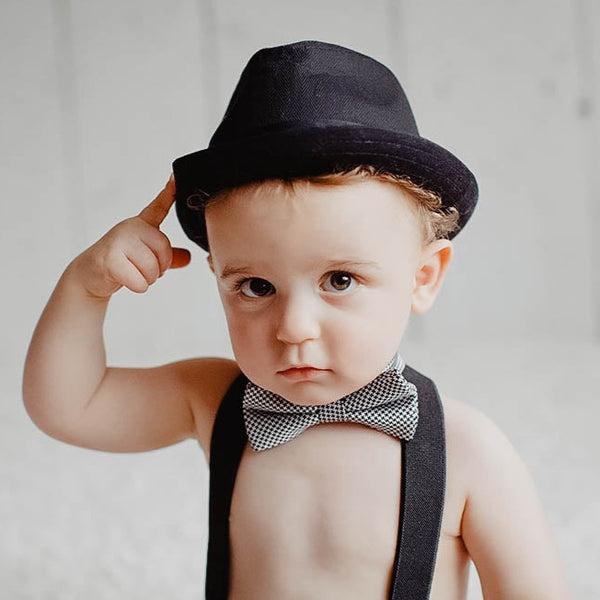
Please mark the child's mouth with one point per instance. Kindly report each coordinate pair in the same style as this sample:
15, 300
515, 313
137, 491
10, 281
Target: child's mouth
302, 373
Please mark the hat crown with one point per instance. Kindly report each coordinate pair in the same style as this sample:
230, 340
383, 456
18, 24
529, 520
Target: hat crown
310, 108
314, 84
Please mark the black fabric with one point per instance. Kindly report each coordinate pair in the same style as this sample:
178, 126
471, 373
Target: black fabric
311, 108
422, 499
226, 447
423, 490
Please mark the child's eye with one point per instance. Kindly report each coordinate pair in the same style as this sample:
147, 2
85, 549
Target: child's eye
339, 281
254, 287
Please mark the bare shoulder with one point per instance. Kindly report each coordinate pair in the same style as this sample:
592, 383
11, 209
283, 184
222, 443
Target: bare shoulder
205, 381
472, 437
503, 523
469, 436
482, 455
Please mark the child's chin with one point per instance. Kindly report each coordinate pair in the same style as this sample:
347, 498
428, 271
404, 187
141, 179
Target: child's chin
311, 391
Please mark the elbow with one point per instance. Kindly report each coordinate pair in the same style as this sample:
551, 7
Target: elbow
44, 416
40, 417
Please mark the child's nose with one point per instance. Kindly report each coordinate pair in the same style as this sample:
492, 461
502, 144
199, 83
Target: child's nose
298, 321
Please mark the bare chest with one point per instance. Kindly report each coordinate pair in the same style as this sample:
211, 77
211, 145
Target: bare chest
319, 516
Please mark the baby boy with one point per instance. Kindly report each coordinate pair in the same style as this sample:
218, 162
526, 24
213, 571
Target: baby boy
336, 471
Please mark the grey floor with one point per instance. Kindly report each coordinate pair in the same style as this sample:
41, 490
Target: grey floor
84, 524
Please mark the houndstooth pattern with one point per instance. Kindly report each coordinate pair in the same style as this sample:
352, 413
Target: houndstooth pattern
389, 404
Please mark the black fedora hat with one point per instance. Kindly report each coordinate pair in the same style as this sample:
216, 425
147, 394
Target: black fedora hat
311, 108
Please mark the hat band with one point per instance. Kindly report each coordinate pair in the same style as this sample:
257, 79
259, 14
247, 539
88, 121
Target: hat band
281, 126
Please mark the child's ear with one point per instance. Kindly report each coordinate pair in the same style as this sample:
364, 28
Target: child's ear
210, 263
435, 258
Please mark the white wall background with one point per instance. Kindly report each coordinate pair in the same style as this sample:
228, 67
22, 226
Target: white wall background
98, 97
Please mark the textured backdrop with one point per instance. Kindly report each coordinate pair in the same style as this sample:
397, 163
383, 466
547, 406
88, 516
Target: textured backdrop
98, 97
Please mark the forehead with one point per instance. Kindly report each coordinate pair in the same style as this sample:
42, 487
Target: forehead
362, 218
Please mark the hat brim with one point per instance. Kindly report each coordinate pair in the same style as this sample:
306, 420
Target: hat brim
315, 150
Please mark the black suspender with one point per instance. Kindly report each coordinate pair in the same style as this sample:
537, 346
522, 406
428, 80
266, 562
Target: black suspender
422, 498
226, 447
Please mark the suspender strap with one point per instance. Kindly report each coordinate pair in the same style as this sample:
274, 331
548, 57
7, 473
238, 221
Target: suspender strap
226, 447
423, 487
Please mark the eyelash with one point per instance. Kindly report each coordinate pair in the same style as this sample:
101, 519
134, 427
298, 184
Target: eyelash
239, 284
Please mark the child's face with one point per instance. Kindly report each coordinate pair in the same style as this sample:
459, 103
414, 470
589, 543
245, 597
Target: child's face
317, 282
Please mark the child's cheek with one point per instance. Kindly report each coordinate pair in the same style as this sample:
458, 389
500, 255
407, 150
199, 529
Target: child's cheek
247, 330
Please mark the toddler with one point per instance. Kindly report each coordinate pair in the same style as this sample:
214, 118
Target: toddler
336, 471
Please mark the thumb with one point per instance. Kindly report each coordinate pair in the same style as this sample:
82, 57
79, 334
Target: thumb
181, 258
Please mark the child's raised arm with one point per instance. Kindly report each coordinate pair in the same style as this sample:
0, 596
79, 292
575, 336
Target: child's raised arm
68, 390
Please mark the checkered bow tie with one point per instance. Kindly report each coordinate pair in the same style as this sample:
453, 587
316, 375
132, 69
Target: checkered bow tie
389, 404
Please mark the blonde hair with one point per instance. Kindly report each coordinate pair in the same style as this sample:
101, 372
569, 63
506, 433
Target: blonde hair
438, 221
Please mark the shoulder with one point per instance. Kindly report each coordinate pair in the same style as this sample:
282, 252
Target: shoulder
472, 440
503, 524
205, 381
473, 434
477, 448
207, 370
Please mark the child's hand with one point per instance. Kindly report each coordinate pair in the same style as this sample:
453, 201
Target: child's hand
133, 254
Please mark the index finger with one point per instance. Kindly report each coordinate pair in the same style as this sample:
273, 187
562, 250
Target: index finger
155, 213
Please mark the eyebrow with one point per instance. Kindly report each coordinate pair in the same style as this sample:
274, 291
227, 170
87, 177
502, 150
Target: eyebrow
332, 265
231, 271
350, 264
